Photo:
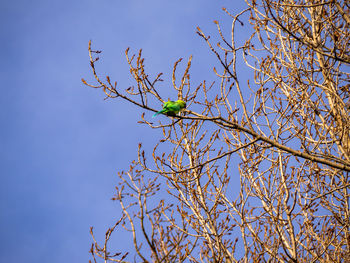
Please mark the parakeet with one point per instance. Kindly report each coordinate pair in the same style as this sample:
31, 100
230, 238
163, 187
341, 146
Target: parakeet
171, 108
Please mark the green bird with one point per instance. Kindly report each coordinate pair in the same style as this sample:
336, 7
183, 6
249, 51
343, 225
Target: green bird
171, 108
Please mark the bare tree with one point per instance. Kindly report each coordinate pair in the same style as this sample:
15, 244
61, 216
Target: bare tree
261, 178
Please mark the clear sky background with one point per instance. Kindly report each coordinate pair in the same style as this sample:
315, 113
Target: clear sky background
61, 143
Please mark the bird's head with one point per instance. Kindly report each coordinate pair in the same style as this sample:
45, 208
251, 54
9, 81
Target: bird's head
181, 103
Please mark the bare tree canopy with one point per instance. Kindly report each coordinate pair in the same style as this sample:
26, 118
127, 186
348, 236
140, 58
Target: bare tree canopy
253, 170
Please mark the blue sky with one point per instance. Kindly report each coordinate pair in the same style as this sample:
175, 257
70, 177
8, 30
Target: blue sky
61, 143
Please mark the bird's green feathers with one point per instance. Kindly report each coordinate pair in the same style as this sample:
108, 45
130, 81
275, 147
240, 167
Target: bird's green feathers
171, 108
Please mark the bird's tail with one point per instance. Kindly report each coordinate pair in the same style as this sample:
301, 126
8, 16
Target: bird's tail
159, 112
